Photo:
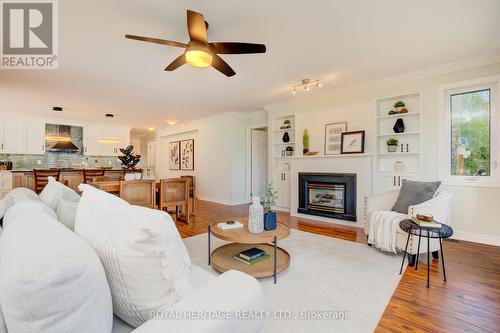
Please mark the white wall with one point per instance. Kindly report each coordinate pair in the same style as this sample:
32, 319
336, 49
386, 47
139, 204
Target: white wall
220, 154
475, 214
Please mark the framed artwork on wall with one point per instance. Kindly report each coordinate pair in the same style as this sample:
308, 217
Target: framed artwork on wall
353, 142
174, 155
333, 137
187, 154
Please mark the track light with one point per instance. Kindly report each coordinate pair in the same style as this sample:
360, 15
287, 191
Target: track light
306, 84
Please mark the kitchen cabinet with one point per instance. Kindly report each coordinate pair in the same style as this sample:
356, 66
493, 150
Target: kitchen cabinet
98, 140
35, 138
12, 140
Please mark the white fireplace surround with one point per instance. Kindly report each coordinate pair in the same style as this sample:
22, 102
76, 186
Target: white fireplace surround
359, 164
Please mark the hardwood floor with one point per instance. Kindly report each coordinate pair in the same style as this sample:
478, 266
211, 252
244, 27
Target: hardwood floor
468, 302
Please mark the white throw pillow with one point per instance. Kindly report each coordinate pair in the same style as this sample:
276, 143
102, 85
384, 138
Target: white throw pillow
26, 206
146, 262
52, 280
66, 212
17, 195
54, 191
3, 328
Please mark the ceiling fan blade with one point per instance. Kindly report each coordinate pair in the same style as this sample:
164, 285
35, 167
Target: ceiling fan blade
196, 27
156, 41
237, 48
222, 66
178, 62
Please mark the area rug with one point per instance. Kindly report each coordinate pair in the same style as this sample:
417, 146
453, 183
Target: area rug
339, 286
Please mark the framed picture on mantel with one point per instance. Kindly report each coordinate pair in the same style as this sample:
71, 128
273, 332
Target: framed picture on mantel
353, 142
333, 137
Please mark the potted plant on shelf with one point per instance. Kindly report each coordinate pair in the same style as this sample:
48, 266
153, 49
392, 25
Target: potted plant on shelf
268, 201
399, 106
305, 141
286, 124
392, 145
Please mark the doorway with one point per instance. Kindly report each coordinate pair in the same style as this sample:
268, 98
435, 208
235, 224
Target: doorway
258, 161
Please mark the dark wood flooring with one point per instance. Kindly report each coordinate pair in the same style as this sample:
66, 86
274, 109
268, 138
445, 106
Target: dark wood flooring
468, 302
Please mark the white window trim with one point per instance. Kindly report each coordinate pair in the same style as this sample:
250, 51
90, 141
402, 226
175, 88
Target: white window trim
444, 92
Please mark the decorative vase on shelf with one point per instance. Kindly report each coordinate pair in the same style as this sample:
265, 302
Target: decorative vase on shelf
399, 126
256, 216
286, 137
129, 176
270, 220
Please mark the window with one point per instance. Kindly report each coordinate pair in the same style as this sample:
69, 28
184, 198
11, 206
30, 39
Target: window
468, 123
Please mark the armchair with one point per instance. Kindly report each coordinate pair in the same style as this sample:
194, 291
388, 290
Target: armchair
439, 206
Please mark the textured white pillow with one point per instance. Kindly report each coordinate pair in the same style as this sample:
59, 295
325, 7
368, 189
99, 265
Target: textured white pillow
52, 280
17, 195
54, 191
146, 262
24, 206
66, 212
3, 328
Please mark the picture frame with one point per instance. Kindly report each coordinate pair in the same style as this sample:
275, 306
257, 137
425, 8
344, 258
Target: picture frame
333, 137
174, 155
187, 154
353, 142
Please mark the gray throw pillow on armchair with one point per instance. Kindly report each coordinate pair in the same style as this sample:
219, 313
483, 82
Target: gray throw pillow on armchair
414, 193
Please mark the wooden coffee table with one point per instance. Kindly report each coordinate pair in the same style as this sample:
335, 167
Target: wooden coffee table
241, 239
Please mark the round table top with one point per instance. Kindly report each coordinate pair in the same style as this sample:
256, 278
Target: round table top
242, 235
413, 228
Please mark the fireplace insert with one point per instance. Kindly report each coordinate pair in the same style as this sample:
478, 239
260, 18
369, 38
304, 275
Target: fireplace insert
328, 194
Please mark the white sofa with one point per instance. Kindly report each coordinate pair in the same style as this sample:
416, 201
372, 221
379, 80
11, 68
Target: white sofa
232, 292
439, 206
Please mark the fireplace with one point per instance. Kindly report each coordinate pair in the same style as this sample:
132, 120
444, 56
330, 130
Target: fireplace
328, 194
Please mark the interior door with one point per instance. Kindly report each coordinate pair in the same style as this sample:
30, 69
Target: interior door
259, 162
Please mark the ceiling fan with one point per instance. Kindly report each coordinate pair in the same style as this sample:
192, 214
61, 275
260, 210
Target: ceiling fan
199, 52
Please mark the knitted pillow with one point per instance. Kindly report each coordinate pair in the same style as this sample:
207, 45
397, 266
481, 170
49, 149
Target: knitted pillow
146, 262
414, 193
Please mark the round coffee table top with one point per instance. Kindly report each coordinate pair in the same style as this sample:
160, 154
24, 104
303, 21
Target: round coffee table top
242, 235
444, 231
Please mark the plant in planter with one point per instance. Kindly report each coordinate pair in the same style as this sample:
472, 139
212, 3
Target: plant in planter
392, 145
305, 141
129, 161
289, 151
399, 105
269, 200
286, 124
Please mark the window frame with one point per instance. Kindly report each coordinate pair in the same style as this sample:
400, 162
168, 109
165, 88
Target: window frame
445, 93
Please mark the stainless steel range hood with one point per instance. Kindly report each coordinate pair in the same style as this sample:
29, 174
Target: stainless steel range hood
59, 138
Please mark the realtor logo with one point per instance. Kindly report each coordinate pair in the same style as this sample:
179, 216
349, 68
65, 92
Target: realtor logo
29, 34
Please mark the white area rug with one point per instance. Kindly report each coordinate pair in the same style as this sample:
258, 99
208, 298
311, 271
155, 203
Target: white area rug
325, 274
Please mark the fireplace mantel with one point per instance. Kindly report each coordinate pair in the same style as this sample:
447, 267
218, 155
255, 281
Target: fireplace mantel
329, 156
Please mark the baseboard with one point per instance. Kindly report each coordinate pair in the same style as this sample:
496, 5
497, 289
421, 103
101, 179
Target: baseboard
476, 238
223, 201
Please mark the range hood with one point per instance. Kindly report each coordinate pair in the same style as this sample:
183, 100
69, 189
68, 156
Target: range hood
59, 138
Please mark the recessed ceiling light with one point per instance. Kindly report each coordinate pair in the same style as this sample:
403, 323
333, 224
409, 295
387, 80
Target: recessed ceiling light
171, 122
57, 108
151, 129
109, 115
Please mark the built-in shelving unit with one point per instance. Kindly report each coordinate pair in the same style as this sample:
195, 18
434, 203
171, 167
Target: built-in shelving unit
280, 166
405, 163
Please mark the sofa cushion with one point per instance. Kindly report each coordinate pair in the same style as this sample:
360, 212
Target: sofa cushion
147, 265
27, 206
17, 195
52, 280
414, 193
54, 191
3, 328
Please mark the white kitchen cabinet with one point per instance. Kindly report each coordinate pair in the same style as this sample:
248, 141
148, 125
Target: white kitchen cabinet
98, 140
12, 140
35, 138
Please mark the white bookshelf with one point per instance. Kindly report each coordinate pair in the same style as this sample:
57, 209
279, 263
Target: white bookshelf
386, 176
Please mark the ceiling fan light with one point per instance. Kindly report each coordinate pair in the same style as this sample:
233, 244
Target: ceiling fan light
198, 58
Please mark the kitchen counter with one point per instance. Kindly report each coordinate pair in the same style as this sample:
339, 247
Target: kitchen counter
62, 170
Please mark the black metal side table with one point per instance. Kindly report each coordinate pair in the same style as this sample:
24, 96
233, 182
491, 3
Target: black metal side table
440, 233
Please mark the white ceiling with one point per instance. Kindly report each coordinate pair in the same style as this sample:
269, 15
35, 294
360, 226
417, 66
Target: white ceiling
342, 42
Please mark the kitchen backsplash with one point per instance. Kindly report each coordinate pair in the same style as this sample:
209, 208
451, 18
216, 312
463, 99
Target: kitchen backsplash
59, 160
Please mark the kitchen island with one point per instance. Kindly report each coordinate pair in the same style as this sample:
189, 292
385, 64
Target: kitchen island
71, 177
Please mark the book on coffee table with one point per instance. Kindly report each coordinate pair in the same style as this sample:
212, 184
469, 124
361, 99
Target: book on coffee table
229, 225
253, 261
426, 224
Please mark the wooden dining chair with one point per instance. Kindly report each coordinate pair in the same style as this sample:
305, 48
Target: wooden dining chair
192, 192
175, 192
90, 174
107, 178
42, 177
139, 192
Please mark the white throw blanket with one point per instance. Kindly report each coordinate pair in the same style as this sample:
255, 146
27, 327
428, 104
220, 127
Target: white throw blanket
382, 229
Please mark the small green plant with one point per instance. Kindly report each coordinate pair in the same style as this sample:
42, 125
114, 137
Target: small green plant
399, 104
269, 197
392, 142
287, 122
305, 139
